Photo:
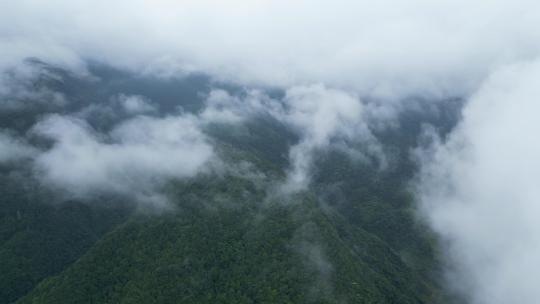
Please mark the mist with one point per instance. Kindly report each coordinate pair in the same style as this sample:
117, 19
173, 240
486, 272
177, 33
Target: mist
13, 149
342, 71
479, 190
388, 49
131, 159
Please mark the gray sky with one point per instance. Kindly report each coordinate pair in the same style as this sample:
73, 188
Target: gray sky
386, 48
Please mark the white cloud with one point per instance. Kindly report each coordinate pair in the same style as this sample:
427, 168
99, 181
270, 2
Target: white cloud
316, 113
319, 114
389, 48
221, 107
480, 190
134, 158
12, 149
20, 88
136, 104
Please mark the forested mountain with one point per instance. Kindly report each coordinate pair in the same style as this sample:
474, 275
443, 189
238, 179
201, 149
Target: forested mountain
228, 234
311, 151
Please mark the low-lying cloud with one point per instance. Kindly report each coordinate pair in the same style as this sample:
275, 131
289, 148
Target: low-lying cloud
135, 104
20, 90
319, 115
386, 49
13, 149
134, 158
478, 187
480, 190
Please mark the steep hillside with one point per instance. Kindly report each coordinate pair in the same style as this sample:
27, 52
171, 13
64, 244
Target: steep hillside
40, 235
230, 234
225, 244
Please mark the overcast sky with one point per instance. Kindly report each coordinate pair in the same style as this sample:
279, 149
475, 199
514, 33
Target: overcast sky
383, 48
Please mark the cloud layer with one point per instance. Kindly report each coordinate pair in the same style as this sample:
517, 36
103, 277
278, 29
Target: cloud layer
135, 157
385, 49
480, 190
12, 148
317, 114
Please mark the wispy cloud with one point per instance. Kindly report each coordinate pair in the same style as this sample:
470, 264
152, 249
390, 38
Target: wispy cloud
137, 156
13, 148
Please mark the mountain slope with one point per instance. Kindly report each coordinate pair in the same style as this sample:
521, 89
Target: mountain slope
231, 236
241, 250
39, 238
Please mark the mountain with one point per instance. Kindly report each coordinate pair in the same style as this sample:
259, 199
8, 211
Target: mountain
227, 236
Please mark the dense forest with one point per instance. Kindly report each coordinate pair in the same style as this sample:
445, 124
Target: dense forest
351, 237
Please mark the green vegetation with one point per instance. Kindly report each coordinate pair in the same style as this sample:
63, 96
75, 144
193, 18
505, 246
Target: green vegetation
39, 239
229, 238
245, 252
